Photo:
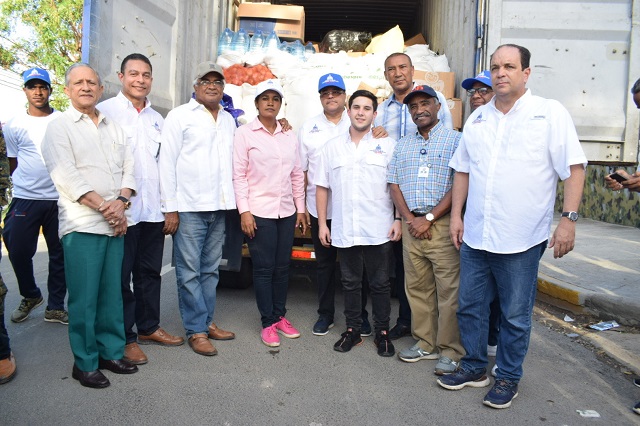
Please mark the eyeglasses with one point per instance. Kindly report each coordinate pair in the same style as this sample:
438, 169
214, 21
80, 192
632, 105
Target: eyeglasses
333, 93
207, 83
482, 91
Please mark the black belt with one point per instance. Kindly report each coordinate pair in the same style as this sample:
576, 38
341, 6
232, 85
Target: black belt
416, 214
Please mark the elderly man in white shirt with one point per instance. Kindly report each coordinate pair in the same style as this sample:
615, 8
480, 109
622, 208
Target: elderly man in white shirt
354, 167
196, 191
144, 241
512, 152
92, 168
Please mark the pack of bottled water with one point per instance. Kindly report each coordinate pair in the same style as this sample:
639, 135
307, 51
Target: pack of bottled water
239, 43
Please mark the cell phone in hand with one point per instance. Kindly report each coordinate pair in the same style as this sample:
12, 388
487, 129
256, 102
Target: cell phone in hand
617, 177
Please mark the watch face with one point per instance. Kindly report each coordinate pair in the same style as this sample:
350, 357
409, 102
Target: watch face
573, 216
429, 217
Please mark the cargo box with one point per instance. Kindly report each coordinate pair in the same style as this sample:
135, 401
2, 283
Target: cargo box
287, 21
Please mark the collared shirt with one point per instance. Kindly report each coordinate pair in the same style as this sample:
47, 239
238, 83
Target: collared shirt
313, 135
143, 136
514, 161
82, 158
24, 134
196, 160
421, 167
396, 119
267, 177
357, 178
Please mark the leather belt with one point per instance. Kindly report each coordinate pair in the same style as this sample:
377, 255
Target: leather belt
416, 214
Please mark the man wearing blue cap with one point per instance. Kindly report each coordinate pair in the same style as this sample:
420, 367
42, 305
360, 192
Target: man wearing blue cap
420, 180
479, 89
35, 202
313, 135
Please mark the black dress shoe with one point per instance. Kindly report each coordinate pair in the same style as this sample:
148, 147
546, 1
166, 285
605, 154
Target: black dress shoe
399, 331
118, 366
90, 379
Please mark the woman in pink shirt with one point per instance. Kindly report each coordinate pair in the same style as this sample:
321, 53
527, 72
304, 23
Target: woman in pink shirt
269, 189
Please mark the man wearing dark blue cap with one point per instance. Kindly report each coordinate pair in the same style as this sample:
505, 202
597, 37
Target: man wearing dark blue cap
479, 89
35, 202
313, 135
420, 180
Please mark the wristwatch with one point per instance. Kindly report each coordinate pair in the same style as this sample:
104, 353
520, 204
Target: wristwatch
430, 217
572, 216
126, 202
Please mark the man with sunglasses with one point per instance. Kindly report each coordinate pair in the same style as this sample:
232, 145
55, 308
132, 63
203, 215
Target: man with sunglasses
196, 190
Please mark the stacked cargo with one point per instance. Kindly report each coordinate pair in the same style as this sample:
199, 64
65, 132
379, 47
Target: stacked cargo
268, 43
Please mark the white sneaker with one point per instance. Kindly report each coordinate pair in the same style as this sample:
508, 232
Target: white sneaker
494, 370
492, 350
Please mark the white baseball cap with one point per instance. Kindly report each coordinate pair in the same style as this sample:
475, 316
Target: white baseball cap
269, 85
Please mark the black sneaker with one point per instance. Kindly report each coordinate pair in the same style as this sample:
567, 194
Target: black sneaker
382, 341
399, 331
636, 408
349, 339
501, 394
322, 326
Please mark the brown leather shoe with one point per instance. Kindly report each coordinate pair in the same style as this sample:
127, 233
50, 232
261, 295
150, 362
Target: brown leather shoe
219, 334
134, 354
160, 337
201, 345
7, 369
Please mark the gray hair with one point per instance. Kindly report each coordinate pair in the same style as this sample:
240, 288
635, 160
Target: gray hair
80, 65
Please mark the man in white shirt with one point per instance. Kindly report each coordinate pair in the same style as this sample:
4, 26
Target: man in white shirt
144, 241
354, 168
313, 135
512, 152
196, 191
35, 202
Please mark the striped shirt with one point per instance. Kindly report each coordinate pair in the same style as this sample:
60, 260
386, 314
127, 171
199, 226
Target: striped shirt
413, 153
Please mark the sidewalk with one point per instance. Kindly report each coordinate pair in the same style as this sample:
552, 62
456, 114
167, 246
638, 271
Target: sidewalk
601, 274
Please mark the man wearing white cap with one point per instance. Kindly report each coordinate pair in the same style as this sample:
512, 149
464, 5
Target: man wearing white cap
196, 190
35, 202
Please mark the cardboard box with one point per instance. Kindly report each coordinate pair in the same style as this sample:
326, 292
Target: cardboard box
416, 39
443, 82
287, 21
455, 106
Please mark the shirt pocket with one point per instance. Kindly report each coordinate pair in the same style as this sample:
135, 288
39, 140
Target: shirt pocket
376, 176
527, 143
153, 143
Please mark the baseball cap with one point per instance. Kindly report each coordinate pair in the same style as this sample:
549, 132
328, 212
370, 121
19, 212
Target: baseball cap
205, 68
331, 80
36, 74
484, 77
420, 89
269, 85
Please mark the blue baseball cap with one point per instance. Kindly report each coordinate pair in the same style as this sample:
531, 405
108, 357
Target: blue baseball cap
36, 74
484, 77
331, 80
427, 90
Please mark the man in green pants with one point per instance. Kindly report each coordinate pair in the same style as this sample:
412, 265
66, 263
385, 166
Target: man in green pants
92, 168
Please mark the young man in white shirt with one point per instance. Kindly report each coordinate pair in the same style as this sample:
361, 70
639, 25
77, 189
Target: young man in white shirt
354, 167
35, 202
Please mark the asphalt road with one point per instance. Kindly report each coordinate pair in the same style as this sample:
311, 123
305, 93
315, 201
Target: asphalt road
304, 382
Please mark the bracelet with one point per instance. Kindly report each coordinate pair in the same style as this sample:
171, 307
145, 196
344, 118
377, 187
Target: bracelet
397, 218
101, 204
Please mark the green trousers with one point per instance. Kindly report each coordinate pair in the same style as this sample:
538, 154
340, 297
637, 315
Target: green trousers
93, 269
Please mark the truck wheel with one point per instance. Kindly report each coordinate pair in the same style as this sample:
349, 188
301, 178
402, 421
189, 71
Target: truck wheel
241, 279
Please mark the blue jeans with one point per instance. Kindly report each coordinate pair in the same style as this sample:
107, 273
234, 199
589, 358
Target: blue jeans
514, 277
270, 250
197, 246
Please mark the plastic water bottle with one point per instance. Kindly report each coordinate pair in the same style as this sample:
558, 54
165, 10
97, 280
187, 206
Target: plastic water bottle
272, 42
309, 50
297, 49
256, 43
224, 42
240, 43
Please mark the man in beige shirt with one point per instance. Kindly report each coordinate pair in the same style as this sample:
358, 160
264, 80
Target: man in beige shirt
92, 169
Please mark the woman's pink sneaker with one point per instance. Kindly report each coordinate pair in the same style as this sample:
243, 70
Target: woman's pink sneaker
285, 328
270, 336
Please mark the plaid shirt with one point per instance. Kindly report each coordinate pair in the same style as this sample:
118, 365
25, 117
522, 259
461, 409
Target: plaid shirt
411, 153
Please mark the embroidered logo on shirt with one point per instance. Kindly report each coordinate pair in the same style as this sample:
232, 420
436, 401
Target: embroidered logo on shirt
156, 126
378, 150
315, 129
539, 117
478, 119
